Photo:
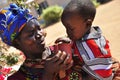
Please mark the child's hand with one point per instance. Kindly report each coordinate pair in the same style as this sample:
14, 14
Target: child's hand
63, 40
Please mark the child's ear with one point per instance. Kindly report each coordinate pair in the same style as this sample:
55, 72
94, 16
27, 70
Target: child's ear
89, 22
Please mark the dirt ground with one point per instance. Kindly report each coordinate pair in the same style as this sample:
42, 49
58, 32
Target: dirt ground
107, 17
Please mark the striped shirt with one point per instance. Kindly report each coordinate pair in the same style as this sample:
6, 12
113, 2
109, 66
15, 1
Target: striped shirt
93, 50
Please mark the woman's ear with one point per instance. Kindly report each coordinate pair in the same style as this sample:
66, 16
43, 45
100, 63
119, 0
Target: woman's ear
16, 43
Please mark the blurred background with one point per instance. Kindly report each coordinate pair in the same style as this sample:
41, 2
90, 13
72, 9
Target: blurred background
49, 12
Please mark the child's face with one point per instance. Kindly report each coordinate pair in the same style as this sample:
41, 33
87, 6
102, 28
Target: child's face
76, 27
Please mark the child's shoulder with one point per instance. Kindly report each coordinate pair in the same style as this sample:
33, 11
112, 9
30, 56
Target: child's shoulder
93, 33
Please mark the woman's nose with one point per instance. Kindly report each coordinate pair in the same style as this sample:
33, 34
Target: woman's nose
39, 34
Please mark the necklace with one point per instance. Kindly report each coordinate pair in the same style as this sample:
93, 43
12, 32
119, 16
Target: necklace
31, 74
34, 63
33, 69
30, 67
38, 63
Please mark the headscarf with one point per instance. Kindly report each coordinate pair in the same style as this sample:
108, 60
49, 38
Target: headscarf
12, 21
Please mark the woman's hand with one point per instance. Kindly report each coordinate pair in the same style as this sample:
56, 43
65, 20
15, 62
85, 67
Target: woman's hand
56, 63
116, 69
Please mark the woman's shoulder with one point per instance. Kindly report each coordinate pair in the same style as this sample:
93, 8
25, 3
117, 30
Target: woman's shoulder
17, 76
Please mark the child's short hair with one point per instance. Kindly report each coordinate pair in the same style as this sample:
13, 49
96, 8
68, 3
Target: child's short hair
85, 8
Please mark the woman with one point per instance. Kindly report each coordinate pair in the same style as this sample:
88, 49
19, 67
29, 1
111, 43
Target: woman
20, 29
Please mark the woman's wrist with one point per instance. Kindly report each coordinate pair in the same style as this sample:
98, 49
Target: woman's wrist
48, 76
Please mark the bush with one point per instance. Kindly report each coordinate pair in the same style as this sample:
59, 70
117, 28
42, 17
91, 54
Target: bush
103, 1
95, 3
52, 14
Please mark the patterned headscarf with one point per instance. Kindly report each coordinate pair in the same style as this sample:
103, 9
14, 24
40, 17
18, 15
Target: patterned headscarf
12, 20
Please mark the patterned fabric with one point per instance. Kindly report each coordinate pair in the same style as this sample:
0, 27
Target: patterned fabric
25, 73
12, 20
93, 51
72, 75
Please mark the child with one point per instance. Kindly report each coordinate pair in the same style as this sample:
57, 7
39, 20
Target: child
88, 42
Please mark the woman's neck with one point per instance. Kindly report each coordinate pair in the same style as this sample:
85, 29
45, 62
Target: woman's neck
34, 63
42, 55
32, 73
38, 62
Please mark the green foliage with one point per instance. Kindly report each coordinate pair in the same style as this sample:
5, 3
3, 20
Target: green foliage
11, 59
52, 14
9, 56
95, 3
23, 4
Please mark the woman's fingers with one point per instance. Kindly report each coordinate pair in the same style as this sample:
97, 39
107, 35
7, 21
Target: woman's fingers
62, 58
58, 62
67, 59
66, 65
56, 57
69, 65
64, 62
59, 57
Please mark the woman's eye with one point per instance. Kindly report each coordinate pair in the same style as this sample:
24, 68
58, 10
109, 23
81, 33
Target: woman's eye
39, 28
31, 33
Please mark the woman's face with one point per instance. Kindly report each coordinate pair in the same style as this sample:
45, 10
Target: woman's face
32, 40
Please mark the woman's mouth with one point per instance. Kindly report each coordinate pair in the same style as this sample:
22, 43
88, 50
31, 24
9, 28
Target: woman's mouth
42, 42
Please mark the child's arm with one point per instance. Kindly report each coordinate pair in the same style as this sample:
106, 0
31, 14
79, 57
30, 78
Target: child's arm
63, 40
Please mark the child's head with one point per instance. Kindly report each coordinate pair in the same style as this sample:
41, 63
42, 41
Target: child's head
77, 17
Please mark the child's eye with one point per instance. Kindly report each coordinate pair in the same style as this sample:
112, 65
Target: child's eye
71, 29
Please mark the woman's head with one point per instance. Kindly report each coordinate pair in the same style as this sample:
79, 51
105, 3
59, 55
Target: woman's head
31, 40
20, 29
77, 17
12, 20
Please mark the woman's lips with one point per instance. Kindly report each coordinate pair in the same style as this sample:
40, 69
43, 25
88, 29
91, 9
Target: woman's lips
42, 40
